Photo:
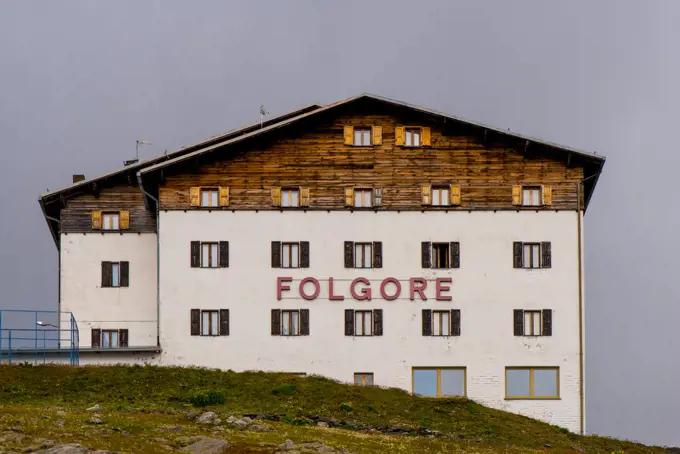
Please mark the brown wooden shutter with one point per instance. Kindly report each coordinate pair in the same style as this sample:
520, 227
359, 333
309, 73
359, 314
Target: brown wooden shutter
377, 197
276, 322
304, 197
122, 338
195, 254
546, 255
224, 254
518, 322
195, 196
276, 196
547, 322
349, 197
349, 254
124, 274
304, 322
107, 274
455, 194
546, 193
304, 254
455, 254
426, 194
426, 139
224, 322
425, 254
96, 338
427, 322
349, 322
377, 254
224, 196
517, 195
195, 322
399, 135
124, 220
348, 132
377, 322
276, 254
455, 322
517, 254
96, 220
377, 135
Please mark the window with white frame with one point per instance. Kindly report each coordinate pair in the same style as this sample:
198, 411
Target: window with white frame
210, 197
111, 221
362, 137
412, 137
441, 195
209, 255
531, 196
363, 198
290, 197
363, 323
363, 255
290, 323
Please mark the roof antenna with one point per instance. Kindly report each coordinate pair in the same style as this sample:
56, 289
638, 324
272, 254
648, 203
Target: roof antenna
141, 142
263, 112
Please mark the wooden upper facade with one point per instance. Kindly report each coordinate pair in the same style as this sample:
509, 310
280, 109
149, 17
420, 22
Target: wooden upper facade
395, 152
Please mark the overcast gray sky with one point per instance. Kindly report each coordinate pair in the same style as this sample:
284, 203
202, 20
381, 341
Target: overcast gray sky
80, 81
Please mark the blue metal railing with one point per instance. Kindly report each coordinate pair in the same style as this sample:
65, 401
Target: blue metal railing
40, 336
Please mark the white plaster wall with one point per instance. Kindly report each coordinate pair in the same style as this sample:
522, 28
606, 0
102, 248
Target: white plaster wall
486, 288
132, 307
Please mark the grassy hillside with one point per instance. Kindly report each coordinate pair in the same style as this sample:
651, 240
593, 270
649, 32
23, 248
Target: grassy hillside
142, 405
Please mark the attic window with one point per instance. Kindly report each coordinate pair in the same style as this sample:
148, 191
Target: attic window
209, 197
362, 137
412, 137
110, 221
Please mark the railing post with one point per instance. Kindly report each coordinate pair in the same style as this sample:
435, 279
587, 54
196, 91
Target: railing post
9, 355
44, 347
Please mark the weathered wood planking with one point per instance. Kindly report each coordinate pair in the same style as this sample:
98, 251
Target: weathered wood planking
315, 156
77, 216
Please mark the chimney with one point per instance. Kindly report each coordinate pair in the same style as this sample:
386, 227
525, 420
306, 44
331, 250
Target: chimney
77, 178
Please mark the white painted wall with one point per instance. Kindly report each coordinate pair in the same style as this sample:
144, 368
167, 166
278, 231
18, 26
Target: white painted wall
486, 288
132, 307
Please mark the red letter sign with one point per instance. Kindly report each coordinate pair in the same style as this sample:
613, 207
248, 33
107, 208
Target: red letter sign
280, 287
420, 289
443, 288
365, 292
382, 289
316, 290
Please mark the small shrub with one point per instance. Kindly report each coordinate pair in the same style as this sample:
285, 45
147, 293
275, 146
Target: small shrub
285, 390
205, 398
346, 406
297, 421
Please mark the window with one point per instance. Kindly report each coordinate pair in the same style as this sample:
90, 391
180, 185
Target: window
533, 322
441, 195
209, 323
363, 323
441, 323
290, 323
363, 378
363, 198
290, 197
115, 274
362, 137
290, 255
531, 196
532, 255
210, 197
209, 255
363, 255
439, 382
110, 221
110, 339
532, 383
440, 255
412, 137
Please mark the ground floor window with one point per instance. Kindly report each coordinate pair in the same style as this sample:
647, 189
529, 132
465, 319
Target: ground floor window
363, 378
532, 383
439, 382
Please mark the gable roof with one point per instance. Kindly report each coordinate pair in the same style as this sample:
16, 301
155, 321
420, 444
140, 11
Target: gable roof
595, 161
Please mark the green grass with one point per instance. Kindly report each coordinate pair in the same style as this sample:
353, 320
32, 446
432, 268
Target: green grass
127, 394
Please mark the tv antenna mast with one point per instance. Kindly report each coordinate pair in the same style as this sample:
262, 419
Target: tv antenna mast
263, 112
141, 142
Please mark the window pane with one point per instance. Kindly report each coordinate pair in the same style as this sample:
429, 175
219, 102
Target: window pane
205, 255
444, 197
445, 323
114, 339
517, 382
452, 382
285, 256
213, 323
357, 137
358, 324
534, 256
213, 198
114, 219
416, 138
425, 382
527, 323
536, 316
294, 318
295, 254
115, 275
367, 198
368, 381
408, 140
105, 339
357, 379
545, 383
285, 198
358, 255
294, 198
367, 137
205, 323
205, 198
527, 256
213, 255
285, 320
367, 255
